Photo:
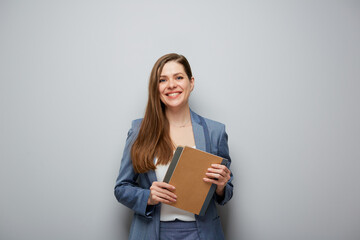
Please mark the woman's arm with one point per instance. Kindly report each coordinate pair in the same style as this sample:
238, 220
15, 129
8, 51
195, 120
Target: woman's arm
127, 190
224, 190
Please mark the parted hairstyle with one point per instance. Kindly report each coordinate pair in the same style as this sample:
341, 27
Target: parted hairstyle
154, 139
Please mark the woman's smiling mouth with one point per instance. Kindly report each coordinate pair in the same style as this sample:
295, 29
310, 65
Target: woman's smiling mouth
173, 94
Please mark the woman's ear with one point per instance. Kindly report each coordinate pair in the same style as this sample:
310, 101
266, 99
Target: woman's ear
192, 80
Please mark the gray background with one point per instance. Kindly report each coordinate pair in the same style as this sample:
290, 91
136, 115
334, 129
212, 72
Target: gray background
284, 76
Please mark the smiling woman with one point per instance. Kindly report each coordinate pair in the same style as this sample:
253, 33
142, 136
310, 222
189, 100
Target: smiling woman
168, 123
175, 86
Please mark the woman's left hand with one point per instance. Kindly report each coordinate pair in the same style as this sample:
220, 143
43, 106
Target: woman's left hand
219, 175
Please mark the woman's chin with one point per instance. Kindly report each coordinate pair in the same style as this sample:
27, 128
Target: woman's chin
176, 106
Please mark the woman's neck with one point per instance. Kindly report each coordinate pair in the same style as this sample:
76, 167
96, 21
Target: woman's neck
179, 117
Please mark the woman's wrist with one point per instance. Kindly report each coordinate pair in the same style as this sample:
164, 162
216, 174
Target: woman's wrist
220, 191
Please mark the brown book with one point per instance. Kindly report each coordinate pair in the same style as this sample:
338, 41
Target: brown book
186, 172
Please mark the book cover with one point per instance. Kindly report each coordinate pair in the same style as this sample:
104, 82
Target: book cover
186, 172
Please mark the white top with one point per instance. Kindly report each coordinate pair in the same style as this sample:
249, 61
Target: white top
167, 212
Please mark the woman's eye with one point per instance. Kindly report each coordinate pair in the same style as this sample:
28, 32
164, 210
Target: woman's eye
162, 80
179, 78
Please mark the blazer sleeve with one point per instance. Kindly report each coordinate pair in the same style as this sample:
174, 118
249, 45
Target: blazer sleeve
127, 190
223, 151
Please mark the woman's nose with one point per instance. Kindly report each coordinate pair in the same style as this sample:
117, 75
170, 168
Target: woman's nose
172, 83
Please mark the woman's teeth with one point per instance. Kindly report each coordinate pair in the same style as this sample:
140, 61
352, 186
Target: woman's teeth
173, 94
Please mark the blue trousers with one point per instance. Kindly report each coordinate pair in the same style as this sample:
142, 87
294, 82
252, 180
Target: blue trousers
178, 230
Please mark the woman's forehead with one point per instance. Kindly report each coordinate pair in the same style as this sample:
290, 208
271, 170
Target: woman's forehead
171, 68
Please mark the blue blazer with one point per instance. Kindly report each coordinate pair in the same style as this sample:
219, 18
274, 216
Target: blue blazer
133, 189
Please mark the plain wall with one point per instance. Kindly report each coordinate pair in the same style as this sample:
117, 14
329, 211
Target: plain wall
284, 76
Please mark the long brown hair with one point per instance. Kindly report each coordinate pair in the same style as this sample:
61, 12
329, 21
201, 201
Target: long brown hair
154, 135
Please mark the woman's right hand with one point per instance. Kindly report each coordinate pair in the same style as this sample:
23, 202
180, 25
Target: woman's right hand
161, 192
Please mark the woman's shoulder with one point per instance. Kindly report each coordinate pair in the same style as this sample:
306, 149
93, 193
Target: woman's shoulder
135, 124
212, 124
135, 128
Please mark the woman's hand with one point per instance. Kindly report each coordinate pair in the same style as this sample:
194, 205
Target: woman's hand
161, 192
219, 175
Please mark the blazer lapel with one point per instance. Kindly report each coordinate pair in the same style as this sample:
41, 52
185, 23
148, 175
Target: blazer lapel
198, 131
152, 176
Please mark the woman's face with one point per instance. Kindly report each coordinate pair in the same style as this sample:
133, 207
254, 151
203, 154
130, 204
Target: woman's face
175, 86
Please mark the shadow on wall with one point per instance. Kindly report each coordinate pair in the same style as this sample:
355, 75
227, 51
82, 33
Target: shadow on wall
125, 217
224, 213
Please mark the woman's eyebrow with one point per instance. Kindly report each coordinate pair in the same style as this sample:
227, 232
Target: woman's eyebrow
179, 73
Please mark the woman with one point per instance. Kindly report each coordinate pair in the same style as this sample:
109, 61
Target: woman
169, 122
